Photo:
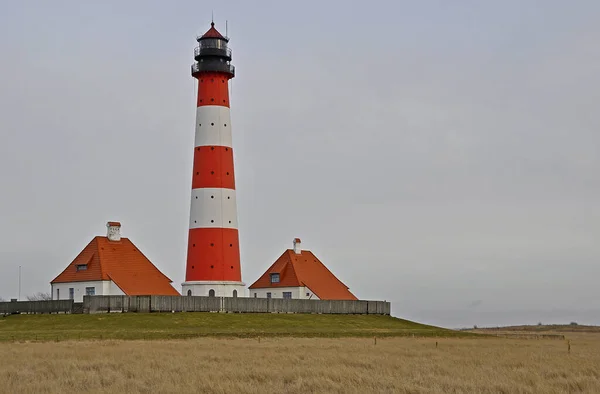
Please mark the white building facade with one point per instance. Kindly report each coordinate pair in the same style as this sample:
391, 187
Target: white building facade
76, 290
302, 293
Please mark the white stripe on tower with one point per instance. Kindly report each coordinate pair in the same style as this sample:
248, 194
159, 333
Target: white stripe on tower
213, 207
213, 126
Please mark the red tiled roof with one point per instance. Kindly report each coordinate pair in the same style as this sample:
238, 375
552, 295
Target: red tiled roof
117, 224
212, 32
304, 269
119, 261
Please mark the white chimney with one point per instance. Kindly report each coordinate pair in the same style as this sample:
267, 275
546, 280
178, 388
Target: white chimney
297, 247
114, 231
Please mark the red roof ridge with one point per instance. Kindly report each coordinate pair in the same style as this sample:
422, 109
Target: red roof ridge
293, 269
99, 251
88, 261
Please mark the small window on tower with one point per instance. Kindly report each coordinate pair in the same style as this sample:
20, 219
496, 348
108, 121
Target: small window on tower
274, 278
81, 267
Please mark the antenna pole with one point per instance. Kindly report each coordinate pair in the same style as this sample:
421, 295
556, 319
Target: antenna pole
226, 29
19, 298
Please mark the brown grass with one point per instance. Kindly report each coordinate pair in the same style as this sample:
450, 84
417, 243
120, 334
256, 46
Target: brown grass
553, 329
303, 365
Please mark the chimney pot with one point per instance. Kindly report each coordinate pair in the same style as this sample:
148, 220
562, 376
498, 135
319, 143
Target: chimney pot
113, 231
297, 247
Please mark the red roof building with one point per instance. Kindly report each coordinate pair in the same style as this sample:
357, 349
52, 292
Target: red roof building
110, 265
299, 274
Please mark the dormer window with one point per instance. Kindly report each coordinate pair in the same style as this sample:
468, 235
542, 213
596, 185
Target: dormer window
81, 267
275, 278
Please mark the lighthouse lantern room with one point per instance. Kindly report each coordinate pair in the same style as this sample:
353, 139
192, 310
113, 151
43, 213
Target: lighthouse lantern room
213, 257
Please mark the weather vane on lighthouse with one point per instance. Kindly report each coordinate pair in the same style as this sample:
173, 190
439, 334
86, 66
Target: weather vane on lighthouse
213, 257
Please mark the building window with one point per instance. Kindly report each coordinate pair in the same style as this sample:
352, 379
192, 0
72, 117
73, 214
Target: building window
235, 294
287, 294
274, 278
211, 293
307, 294
58, 294
71, 293
254, 295
268, 295
90, 291
189, 293
81, 267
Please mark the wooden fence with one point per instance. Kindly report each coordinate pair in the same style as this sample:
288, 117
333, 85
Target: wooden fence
147, 304
104, 304
55, 306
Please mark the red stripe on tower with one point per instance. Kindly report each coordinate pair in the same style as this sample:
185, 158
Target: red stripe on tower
213, 257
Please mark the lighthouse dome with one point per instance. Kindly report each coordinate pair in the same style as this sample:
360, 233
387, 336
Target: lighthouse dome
212, 33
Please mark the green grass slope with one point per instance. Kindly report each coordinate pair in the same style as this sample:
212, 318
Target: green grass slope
189, 325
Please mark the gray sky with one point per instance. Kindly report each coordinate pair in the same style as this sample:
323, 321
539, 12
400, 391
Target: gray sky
440, 155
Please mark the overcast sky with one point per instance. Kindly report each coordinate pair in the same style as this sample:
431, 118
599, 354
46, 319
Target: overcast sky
444, 156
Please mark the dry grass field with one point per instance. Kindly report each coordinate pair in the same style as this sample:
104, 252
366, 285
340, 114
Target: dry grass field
554, 329
303, 365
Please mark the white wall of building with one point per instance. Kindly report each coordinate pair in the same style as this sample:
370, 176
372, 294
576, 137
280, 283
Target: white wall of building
221, 288
113, 289
102, 287
302, 293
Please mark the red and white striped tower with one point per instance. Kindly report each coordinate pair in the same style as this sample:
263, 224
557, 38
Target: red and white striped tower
213, 259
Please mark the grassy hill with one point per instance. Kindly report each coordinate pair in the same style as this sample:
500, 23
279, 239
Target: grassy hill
189, 325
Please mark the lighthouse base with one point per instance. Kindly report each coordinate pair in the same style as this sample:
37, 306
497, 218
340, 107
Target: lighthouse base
214, 289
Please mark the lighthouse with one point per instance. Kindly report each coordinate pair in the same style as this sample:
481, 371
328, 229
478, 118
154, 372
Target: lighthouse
213, 255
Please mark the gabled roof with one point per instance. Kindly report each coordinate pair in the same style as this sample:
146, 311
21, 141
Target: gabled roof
123, 263
304, 269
